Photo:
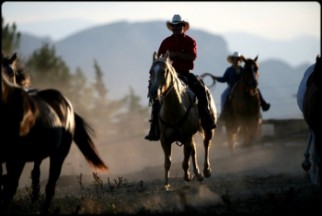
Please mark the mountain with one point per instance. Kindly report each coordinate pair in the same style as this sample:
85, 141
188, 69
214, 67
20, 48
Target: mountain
124, 50
296, 51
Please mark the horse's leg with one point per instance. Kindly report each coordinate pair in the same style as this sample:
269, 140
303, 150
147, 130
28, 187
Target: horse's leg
187, 151
314, 171
14, 170
230, 133
195, 162
56, 163
207, 142
166, 146
249, 135
251, 131
306, 164
256, 131
244, 134
318, 143
35, 176
2, 180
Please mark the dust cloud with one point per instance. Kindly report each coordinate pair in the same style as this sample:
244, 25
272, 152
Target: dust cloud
138, 159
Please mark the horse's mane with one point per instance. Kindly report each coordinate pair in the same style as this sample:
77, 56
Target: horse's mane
7, 87
180, 86
16, 97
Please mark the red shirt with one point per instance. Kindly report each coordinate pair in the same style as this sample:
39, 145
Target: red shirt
183, 44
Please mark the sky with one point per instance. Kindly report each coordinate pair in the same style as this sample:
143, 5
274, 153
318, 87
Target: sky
270, 20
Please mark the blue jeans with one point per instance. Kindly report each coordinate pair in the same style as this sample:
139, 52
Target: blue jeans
224, 96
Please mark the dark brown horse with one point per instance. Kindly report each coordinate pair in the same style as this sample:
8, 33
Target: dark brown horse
36, 125
243, 106
178, 118
309, 97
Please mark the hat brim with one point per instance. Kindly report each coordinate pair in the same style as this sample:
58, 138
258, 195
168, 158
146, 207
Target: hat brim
230, 58
186, 25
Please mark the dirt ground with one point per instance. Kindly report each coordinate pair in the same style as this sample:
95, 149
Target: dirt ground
264, 179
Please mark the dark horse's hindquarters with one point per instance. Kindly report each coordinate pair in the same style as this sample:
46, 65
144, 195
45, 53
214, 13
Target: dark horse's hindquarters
309, 100
36, 125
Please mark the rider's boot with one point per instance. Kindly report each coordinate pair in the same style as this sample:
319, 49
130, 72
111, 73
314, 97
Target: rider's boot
154, 133
206, 116
265, 106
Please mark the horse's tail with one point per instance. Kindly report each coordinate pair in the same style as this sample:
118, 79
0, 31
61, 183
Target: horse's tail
83, 140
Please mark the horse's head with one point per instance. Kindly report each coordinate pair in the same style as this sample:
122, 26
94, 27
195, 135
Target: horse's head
14, 74
8, 78
161, 75
250, 73
8, 66
318, 71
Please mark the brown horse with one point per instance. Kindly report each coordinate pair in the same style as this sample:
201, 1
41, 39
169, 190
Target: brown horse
309, 97
36, 125
178, 118
243, 106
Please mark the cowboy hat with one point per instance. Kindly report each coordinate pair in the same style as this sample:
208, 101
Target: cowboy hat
234, 55
176, 19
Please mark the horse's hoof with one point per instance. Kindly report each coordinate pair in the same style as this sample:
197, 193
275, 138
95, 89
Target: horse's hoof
167, 187
306, 165
188, 178
199, 177
207, 173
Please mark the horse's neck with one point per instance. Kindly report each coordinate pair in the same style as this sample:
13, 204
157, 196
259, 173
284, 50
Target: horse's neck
316, 75
242, 90
175, 100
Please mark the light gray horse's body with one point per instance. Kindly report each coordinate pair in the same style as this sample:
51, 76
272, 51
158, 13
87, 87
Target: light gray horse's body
178, 118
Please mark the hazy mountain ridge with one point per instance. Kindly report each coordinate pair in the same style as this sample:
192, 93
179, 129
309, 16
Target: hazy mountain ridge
124, 52
297, 50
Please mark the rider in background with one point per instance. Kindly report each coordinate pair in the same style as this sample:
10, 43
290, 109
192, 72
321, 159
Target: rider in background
231, 77
183, 52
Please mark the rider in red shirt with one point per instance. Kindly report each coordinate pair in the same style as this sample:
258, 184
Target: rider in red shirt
183, 52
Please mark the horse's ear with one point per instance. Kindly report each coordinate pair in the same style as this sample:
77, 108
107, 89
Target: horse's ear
255, 59
13, 58
242, 58
155, 56
167, 54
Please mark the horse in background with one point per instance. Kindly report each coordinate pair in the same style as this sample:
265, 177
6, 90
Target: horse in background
309, 97
243, 106
36, 125
178, 118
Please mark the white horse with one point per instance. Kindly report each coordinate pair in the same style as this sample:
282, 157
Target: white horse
179, 117
309, 102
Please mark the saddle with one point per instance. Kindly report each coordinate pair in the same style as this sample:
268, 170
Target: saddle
190, 92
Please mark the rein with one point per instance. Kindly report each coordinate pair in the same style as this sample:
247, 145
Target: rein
168, 91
